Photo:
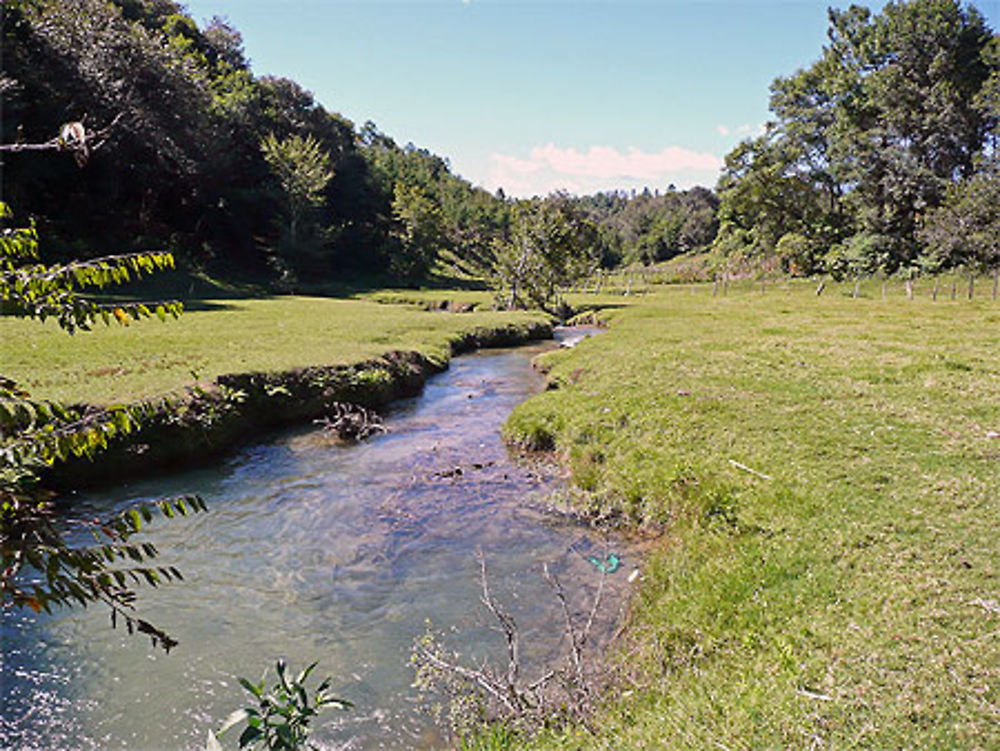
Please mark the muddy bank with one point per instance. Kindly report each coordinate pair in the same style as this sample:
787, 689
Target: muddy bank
213, 419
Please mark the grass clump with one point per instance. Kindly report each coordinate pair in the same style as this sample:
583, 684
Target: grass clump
826, 471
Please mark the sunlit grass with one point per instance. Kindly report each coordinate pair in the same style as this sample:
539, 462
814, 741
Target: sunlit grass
228, 336
850, 597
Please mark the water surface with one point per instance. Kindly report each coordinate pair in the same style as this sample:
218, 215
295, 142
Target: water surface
314, 550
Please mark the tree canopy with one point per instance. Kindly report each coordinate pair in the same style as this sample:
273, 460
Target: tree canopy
869, 141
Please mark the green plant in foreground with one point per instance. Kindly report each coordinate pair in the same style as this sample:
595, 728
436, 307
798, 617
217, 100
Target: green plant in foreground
40, 567
280, 720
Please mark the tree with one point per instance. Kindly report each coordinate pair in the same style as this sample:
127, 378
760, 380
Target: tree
421, 232
965, 229
867, 141
552, 244
40, 569
303, 170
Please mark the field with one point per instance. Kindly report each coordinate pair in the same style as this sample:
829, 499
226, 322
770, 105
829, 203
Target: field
823, 469
112, 364
826, 470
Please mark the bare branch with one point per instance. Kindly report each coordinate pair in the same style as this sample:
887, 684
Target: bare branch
73, 137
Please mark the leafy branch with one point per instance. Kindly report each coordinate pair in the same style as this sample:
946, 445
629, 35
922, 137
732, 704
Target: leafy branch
40, 568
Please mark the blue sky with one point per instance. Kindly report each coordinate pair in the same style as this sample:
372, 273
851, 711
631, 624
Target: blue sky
537, 96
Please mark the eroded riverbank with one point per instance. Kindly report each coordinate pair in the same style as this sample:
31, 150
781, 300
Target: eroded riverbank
214, 418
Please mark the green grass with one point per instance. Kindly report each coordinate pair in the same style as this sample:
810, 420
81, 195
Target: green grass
226, 336
852, 600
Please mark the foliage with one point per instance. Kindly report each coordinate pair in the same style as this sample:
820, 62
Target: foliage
965, 229
40, 567
650, 227
188, 168
280, 719
303, 170
421, 232
552, 244
869, 139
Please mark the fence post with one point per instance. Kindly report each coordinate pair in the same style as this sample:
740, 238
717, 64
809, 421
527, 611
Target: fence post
715, 286
954, 287
972, 282
934, 293
883, 289
857, 286
725, 283
909, 289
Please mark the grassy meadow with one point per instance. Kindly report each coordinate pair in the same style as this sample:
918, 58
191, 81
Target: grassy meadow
124, 364
827, 470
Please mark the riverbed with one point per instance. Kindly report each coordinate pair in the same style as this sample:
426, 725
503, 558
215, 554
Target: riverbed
317, 550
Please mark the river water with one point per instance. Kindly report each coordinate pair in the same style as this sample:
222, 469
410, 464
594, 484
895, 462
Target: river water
314, 550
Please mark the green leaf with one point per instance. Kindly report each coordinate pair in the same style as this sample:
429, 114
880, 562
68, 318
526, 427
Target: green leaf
251, 687
250, 735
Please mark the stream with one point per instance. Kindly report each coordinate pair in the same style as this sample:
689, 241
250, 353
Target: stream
316, 550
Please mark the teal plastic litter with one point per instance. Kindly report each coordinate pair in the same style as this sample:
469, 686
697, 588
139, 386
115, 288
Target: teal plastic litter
608, 566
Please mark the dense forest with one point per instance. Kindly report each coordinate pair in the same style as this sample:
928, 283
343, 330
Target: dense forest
247, 176
881, 158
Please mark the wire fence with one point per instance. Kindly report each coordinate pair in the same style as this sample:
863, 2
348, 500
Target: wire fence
948, 286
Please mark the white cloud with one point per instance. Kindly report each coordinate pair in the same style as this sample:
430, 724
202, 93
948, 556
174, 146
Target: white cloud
551, 167
722, 130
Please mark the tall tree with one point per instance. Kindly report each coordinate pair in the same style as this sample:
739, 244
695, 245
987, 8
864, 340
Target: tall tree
868, 140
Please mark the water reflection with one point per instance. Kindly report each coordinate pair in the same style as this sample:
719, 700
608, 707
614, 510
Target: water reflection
314, 550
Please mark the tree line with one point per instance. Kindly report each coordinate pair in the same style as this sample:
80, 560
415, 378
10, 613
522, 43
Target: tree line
881, 157
882, 154
241, 175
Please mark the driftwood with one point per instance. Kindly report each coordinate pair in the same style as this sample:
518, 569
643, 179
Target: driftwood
351, 422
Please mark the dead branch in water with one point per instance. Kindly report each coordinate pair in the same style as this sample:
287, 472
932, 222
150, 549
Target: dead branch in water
486, 694
351, 422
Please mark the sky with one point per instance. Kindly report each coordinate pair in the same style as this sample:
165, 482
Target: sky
539, 96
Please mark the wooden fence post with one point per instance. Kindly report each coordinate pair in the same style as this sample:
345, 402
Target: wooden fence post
934, 293
725, 283
909, 289
972, 282
857, 286
954, 287
883, 289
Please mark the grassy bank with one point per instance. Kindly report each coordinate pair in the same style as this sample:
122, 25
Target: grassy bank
218, 337
828, 470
